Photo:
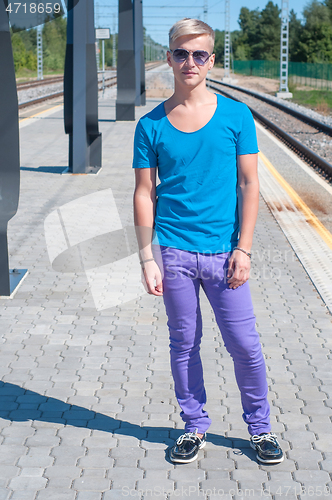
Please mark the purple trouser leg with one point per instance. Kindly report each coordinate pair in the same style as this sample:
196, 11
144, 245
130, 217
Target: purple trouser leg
184, 272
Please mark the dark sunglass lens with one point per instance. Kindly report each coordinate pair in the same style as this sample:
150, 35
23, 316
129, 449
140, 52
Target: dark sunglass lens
180, 55
200, 56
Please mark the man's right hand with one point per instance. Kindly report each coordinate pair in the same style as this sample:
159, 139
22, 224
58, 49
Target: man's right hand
151, 278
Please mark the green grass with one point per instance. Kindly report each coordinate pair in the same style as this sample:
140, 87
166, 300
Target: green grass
319, 100
24, 74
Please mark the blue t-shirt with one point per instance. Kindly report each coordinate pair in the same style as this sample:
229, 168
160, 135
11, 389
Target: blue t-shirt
197, 195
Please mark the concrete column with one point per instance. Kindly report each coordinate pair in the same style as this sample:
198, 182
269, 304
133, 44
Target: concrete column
9, 145
81, 89
80, 140
139, 54
126, 74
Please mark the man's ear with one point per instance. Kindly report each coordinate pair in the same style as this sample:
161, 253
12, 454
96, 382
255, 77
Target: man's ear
211, 61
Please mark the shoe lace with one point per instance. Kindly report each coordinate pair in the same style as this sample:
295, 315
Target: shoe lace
271, 437
187, 436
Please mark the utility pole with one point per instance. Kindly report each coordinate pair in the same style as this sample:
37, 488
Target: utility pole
227, 41
284, 37
103, 34
103, 69
97, 54
113, 43
40, 52
205, 11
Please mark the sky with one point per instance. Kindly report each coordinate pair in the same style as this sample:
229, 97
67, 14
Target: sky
159, 15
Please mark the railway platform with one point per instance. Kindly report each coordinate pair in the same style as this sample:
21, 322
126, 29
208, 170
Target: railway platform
87, 406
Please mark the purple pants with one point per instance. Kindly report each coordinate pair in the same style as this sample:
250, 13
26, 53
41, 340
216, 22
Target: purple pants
184, 272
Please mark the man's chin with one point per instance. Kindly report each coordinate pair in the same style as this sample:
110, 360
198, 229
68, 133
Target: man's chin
190, 80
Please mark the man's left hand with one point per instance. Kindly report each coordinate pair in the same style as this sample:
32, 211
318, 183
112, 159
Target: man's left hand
238, 269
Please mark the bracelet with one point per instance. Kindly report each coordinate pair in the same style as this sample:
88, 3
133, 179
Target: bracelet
241, 250
147, 260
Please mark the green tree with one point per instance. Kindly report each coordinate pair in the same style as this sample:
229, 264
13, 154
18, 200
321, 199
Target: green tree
109, 50
24, 44
234, 43
328, 4
219, 45
248, 22
295, 31
19, 51
29, 38
315, 43
31, 61
259, 36
54, 44
267, 46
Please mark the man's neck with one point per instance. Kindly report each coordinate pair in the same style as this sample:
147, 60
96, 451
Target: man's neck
191, 96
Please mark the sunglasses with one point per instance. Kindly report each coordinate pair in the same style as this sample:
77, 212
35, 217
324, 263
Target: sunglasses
200, 57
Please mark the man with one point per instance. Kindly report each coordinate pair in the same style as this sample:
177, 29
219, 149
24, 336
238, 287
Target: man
197, 227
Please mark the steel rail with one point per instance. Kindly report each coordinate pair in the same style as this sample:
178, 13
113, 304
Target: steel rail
58, 79
38, 83
59, 94
39, 100
297, 145
304, 118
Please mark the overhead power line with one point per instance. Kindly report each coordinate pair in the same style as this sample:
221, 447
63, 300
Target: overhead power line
216, 4
184, 7
159, 24
158, 17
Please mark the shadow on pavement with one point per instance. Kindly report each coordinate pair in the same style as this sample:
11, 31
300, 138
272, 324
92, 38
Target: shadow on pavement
19, 405
46, 170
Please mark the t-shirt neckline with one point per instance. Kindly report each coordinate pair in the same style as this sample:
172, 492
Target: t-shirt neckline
195, 131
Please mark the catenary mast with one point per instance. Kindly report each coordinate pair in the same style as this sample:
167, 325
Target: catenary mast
284, 38
227, 40
40, 52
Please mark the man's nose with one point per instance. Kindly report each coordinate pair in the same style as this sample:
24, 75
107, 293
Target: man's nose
190, 60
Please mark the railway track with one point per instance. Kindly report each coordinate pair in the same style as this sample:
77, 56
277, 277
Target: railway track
109, 82
286, 123
38, 83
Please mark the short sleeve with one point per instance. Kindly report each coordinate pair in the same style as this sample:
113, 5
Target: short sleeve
144, 155
247, 138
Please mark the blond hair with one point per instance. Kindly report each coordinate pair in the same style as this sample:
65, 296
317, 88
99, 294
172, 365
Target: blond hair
193, 27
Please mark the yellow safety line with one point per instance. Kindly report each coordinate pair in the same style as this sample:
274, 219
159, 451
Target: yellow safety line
40, 113
299, 203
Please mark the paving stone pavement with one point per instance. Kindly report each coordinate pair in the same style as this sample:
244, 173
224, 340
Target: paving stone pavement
87, 405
